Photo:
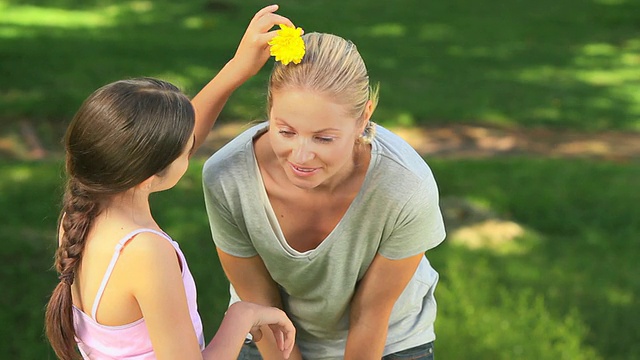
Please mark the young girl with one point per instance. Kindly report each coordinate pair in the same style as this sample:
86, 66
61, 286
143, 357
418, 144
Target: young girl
125, 288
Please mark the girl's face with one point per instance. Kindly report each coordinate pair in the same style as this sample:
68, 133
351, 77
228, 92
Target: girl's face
312, 137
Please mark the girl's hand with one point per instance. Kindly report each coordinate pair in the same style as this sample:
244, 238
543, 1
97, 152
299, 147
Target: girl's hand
253, 51
280, 325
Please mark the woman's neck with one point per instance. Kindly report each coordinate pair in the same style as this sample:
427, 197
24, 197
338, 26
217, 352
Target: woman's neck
350, 177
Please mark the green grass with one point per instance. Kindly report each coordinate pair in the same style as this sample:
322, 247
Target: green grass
572, 288
570, 64
567, 288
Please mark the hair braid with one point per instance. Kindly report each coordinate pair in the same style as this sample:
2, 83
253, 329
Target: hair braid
123, 133
79, 211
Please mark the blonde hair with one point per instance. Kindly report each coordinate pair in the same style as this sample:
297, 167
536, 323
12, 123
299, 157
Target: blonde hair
331, 66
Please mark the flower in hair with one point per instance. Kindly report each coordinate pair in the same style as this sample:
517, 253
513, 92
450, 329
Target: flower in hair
287, 46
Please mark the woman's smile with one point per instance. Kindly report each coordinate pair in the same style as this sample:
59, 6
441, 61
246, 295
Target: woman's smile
302, 171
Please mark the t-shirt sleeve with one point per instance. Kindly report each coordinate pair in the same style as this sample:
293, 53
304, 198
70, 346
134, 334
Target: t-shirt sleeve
225, 230
419, 225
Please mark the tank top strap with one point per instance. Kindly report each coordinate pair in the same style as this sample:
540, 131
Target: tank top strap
114, 259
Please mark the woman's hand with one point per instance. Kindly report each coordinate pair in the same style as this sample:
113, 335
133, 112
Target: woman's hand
253, 51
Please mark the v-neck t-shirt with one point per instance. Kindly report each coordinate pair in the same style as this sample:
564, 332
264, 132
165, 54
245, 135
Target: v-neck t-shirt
395, 214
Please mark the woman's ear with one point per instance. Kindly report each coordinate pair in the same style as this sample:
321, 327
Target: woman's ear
368, 111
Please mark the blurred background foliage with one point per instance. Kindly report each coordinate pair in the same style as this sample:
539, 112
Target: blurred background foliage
540, 261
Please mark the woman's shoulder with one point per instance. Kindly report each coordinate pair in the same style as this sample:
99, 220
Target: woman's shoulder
396, 157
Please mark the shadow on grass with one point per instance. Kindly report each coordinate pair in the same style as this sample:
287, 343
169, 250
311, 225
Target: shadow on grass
570, 276
571, 64
565, 64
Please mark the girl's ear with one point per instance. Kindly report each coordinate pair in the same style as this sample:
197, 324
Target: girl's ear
147, 185
61, 229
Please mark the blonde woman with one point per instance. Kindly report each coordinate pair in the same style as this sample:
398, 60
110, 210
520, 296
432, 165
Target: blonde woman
326, 215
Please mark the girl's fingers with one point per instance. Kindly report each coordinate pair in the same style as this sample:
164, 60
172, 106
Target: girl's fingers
271, 34
284, 340
276, 19
265, 19
280, 337
256, 334
289, 340
265, 38
265, 10
268, 21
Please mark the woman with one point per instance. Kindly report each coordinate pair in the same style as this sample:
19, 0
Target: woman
327, 215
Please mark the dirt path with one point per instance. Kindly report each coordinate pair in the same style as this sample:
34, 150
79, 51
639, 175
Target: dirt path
474, 141
452, 141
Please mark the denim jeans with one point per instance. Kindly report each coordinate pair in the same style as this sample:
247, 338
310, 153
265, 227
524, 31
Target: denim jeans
423, 352
249, 351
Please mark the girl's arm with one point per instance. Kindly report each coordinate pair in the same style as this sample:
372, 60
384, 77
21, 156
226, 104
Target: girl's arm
252, 282
244, 317
156, 283
251, 55
157, 286
372, 304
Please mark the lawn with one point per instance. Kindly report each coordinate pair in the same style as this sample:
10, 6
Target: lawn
564, 287
571, 63
548, 268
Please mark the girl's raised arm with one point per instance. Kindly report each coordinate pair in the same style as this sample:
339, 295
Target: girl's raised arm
251, 55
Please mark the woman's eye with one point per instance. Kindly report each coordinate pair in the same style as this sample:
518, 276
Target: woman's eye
324, 140
286, 133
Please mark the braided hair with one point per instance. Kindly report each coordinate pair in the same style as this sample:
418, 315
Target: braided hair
123, 133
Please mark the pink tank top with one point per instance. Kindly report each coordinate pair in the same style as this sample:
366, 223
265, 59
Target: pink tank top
130, 341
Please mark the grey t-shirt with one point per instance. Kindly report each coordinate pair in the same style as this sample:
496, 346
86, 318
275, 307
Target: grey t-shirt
395, 214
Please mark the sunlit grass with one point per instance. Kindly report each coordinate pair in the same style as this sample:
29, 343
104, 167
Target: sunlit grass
612, 69
27, 16
563, 64
550, 273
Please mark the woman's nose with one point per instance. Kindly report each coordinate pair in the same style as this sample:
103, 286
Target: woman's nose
302, 152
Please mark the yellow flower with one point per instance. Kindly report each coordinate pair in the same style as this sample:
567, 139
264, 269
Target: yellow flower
287, 46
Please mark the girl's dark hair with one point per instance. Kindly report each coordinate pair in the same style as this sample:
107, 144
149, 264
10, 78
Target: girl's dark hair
124, 133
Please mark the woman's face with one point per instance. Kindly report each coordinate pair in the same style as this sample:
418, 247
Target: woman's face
312, 137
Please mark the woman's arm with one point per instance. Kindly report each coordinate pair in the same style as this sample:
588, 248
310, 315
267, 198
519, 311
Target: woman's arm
252, 283
251, 55
372, 303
